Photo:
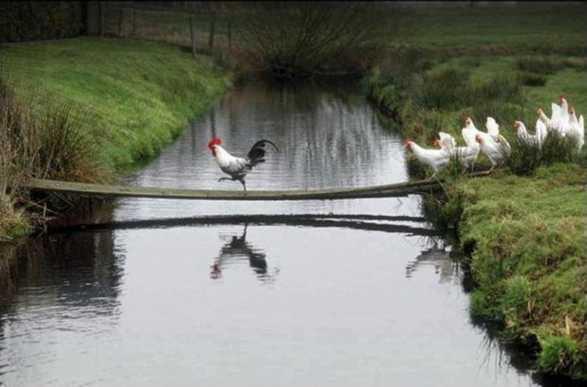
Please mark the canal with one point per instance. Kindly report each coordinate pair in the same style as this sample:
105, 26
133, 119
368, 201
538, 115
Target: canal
317, 293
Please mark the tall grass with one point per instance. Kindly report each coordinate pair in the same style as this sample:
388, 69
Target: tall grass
527, 157
539, 65
46, 144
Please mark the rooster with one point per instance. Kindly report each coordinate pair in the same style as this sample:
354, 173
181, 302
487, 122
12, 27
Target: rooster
238, 167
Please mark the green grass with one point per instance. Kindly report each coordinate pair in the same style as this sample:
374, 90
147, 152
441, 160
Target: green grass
133, 97
530, 258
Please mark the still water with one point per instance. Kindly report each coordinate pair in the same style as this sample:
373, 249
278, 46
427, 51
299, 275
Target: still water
317, 293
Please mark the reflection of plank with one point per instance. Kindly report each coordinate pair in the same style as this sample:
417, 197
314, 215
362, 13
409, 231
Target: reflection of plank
389, 190
306, 220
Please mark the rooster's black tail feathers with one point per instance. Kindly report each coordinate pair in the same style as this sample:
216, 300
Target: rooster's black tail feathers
257, 151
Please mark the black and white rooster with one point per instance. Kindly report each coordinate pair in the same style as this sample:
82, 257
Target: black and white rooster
238, 167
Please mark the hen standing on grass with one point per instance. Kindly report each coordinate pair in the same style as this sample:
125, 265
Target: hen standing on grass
238, 167
434, 158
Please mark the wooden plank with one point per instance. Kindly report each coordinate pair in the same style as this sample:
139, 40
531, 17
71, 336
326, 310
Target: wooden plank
388, 190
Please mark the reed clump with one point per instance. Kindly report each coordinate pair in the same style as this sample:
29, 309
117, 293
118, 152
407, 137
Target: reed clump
301, 39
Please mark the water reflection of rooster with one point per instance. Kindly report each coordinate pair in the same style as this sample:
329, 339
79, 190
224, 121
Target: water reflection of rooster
237, 248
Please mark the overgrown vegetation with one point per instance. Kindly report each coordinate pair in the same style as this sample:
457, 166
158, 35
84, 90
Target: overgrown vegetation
527, 157
46, 143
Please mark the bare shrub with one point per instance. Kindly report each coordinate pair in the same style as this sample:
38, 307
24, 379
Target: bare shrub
293, 39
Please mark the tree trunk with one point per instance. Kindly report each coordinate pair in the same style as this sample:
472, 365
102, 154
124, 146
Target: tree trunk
93, 18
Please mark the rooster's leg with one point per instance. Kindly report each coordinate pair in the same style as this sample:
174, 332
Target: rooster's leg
244, 185
224, 179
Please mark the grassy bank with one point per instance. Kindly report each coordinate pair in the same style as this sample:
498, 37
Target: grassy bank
524, 228
126, 99
529, 259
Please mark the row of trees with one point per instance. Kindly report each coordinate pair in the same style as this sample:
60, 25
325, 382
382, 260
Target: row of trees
38, 20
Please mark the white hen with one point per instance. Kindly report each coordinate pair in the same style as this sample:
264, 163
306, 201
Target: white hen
495, 152
531, 139
576, 128
470, 134
434, 158
465, 154
559, 118
446, 141
492, 127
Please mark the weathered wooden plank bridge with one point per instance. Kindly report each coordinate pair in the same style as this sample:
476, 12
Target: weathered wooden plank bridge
388, 190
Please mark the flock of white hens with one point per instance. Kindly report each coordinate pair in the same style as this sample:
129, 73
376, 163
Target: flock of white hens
563, 121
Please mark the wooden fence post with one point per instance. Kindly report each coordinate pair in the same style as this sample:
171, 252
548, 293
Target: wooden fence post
134, 22
212, 31
121, 23
193, 35
101, 18
229, 34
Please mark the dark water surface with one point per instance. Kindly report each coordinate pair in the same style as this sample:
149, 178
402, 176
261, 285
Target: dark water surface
163, 298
